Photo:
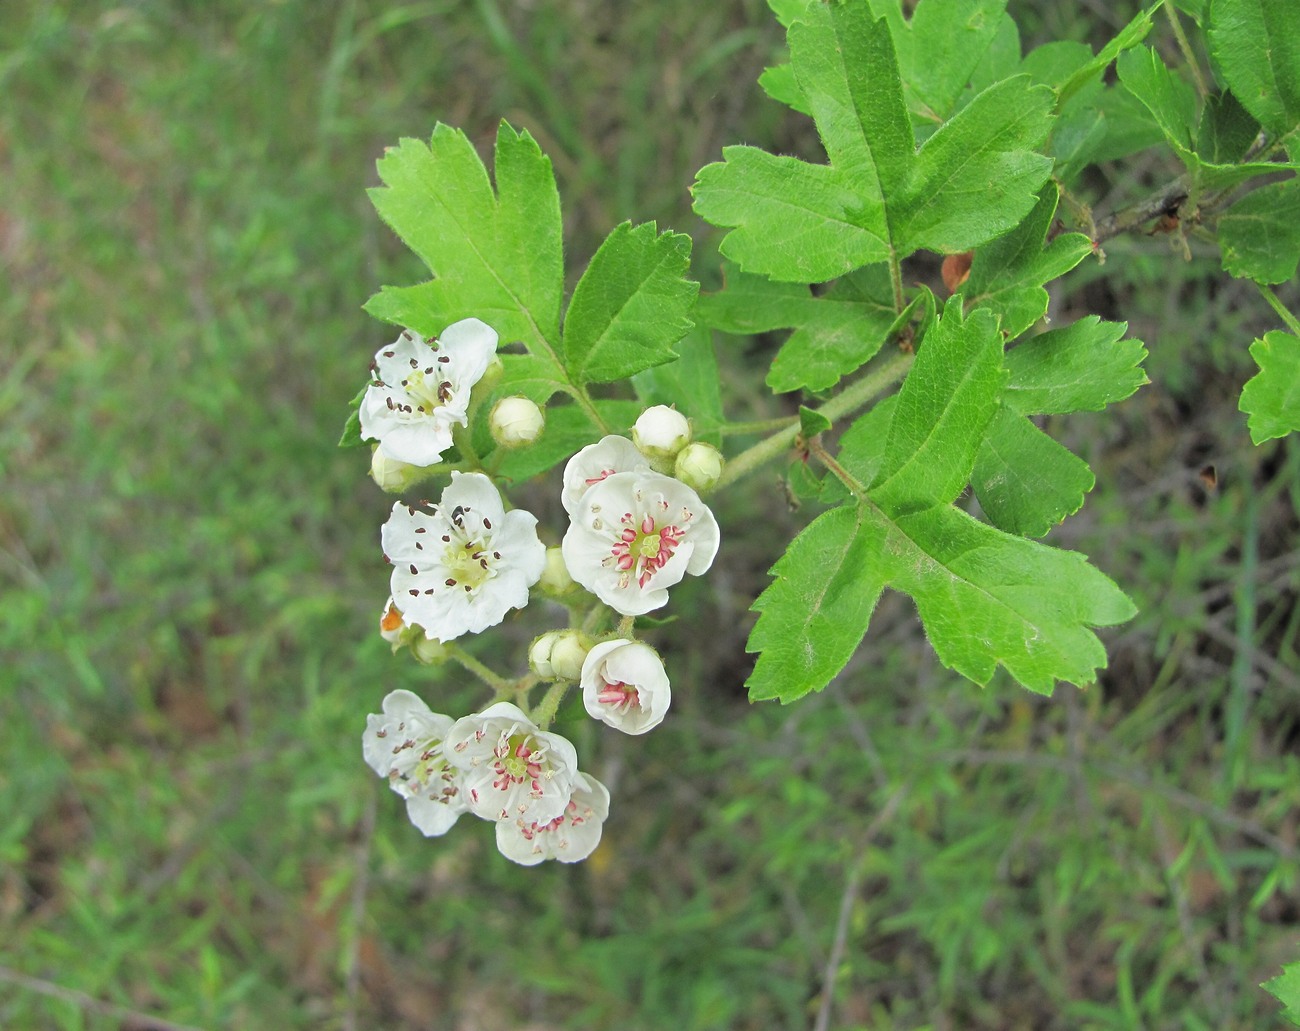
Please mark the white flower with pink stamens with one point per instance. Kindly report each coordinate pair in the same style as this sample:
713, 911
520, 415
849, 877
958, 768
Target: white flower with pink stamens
419, 390
406, 745
624, 684
596, 462
510, 770
570, 837
635, 534
460, 568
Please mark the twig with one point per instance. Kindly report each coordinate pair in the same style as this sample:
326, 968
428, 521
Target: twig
89, 1003
1166, 201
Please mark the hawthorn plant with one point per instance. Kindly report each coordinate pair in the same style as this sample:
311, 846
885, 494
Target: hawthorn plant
940, 135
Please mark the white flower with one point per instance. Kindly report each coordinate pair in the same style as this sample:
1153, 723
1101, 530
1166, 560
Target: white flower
419, 391
624, 685
570, 837
509, 769
634, 535
661, 432
595, 462
516, 422
461, 568
405, 744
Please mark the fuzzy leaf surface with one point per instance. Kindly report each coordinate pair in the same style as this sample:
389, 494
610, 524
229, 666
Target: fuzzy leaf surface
945, 403
1272, 396
1257, 46
1079, 368
834, 333
631, 305
1260, 234
813, 615
496, 256
976, 176
1007, 274
1026, 482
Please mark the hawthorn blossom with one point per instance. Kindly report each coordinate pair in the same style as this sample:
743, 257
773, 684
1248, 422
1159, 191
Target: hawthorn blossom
460, 568
509, 769
635, 534
406, 745
420, 390
660, 432
609, 455
570, 837
624, 685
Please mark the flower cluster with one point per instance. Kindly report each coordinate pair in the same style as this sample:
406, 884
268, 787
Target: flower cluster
462, 564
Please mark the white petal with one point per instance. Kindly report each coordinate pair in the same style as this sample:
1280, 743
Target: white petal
594, 462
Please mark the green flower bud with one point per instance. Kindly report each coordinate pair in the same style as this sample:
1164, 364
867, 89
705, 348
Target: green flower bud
699, 466
556, 580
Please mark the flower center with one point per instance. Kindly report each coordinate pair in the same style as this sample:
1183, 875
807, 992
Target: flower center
618, 695
643, 548
468, 564
429, 388
518, 759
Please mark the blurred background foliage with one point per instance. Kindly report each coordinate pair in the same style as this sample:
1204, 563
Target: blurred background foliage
190, 582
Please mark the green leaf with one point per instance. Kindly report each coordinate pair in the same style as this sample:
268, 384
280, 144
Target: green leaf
691, 383
1286, 989
1007, 274
1025, 481
977, 176
1129, 36
778, 82
1226, 131
939, 50
1272, 397
1170, 101
497, 257
812, 423
948, 398
794, 221
352, 426
1256, 44
988, 598
834, 334
1082, 367
1260, 234
815, 612
630, 306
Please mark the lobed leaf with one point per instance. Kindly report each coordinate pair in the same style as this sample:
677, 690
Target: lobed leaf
1272, 396
948, 398
1082, 367
1256, 44
1026, 482
1007, 274
631, 305
813, 615
1260, 234
793, 221
1286, 989
834, 334
987, 598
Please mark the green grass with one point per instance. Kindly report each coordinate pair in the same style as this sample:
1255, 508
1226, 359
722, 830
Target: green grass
190, 579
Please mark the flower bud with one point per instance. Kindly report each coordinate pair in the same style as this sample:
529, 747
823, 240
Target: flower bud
699, 466
556, 580
427, 651
399, 634
559, 654
660, 432
393, 476
516, 422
